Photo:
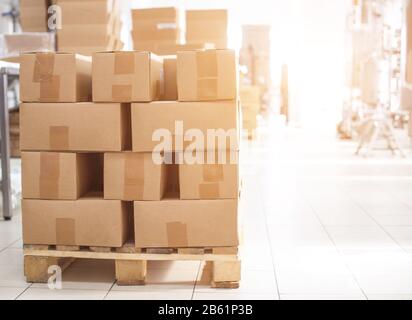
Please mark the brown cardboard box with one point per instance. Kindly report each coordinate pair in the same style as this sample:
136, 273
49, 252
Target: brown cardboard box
85, 40
33, 15
156, 24
207, 26
75, 12
87, 126
186, 223
133, 176
207, 75
250, 94
212, 180
13, 45
89, 221
170, 78
55, 77
126, 76
167, 49
58, 176
166, 118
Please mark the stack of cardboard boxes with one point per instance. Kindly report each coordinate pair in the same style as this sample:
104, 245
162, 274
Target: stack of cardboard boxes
250, 100
86, 165
159, 30
207, 26
89, 26
63, 137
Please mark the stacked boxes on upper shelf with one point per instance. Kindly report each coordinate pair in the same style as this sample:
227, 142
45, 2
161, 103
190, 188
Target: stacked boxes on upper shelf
159, 30
89, 26
207, 26
63, 138
250, 100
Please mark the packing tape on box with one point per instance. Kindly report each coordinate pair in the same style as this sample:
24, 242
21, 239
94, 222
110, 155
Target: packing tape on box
122, 93
124, 64
207, 75
212, 176
65, 231
177, 234
59, 138
49, 175
209, 191
133, 188
44, 75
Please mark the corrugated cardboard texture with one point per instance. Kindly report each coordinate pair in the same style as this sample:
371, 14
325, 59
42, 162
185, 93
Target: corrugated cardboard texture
185, 223
126, 76
206, 75
133, 176
55, 77
210, 181
75, 127
59, 176
89, 221
149, 117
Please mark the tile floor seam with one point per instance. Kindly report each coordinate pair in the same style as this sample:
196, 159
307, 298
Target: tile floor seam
336, 247
376, 222
272, 255
27, 288
110, 289
195, 284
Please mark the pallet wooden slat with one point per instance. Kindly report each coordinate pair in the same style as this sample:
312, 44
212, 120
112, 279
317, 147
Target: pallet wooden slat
131, 263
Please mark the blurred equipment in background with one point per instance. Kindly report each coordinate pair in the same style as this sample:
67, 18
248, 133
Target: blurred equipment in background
372, 107
255, 55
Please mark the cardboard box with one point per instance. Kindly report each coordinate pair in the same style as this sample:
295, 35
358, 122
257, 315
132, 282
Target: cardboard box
59, 176
75, 12
89, 221
207, 26
207, 75
87, 126
170, 120
186, 223
156, 24
133, 176
33, 15
12, 45
170, 78
212, 180
167, 49
127, 76
55, 77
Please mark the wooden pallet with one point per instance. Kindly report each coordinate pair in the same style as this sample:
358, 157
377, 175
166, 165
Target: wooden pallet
131, 263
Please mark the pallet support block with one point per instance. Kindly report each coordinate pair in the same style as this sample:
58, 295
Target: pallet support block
131, 272
36, 269
226, 274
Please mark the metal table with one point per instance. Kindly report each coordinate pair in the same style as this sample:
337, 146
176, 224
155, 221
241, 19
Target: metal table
5, 74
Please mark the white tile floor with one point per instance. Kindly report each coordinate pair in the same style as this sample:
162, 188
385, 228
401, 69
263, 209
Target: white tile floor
318, 223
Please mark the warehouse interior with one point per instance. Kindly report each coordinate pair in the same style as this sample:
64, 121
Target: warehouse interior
325, 147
